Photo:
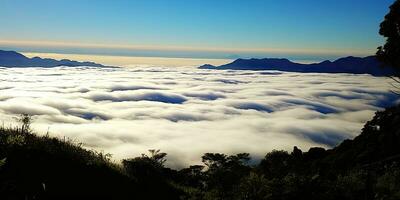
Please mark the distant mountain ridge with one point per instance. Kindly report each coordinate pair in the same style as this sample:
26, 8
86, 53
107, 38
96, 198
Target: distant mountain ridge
15, 59
354, 65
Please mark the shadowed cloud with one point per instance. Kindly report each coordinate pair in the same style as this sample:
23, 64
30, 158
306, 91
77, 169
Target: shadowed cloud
204, 96
253, 106
148, 96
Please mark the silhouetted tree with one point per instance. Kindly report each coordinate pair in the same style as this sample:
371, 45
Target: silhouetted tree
150, 172
275, 164
254, 187
146, 166
193, 176
296, 153
390, 29
26, 121
224, 174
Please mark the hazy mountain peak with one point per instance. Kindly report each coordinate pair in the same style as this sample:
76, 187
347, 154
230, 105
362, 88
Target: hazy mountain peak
350, 64
15, 59
11, 55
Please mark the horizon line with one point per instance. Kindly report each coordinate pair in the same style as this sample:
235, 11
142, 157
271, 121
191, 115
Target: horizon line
26, 45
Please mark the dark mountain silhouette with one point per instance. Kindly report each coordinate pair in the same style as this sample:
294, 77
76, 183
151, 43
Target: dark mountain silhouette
353, 65
15, 59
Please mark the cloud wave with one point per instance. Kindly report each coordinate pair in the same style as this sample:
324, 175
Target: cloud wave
186, 111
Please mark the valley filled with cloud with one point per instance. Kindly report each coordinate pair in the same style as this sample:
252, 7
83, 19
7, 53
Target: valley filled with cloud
187, 112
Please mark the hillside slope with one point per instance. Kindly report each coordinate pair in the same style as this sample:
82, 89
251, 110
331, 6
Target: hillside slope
41, 167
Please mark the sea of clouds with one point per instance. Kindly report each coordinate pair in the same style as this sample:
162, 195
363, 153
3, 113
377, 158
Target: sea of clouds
187, 112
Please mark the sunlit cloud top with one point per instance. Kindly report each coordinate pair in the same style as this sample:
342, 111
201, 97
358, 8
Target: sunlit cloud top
199, 29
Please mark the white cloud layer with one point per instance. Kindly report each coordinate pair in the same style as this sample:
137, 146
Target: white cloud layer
187, 112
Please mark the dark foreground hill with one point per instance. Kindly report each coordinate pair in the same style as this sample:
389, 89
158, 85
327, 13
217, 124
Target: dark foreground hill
15, 59
41, 167
367, 167
353, 65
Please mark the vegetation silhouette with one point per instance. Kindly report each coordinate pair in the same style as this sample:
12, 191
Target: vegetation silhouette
389, 28
390, 51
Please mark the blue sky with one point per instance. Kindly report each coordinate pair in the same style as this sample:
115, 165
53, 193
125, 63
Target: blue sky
189, 28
